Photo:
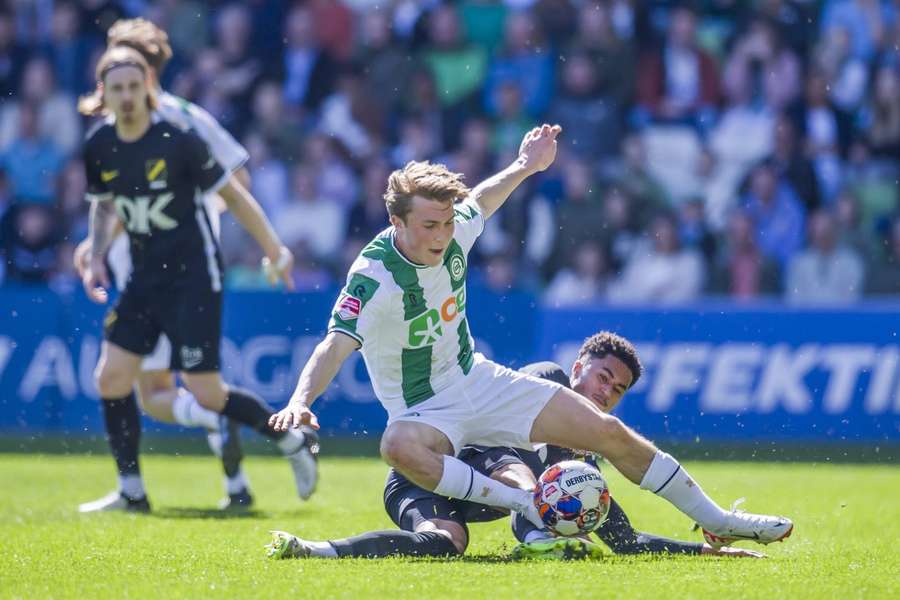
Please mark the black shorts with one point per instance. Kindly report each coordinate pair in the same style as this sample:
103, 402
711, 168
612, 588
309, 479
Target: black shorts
408, 505
189, 315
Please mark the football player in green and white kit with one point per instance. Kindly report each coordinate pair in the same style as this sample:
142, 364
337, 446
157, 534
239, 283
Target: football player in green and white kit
404, 306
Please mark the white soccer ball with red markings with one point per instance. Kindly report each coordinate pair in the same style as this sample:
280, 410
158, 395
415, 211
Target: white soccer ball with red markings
572, 498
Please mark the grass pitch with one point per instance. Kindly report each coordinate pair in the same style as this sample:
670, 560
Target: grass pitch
844, 544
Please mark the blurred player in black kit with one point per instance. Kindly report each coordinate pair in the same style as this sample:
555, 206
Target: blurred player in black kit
152, 176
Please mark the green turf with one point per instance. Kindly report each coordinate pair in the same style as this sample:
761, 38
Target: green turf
847, 522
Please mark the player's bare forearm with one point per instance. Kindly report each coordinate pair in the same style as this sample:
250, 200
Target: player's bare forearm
322, 366
102, 224
250, 215
536, 153
318, 373
491, 193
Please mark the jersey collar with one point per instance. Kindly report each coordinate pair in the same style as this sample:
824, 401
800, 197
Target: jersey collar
402, 257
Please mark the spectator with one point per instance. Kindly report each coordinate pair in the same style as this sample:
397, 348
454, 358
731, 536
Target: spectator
776, 212
612, 57
761, 62
881, 131
310, 217
32, 161
591, 121
335, 180
386, 64
282, 133
791, 165
308, 69
678, 83
741, 270
827, 131
693, 230
29, 235
352, 115
69, 50
848, 216
459, 69
580, 217
865, 21
848, 74
512, 122
12, 56
268, 173
524, 61
884, 277
647, 195
664, 272
240, 68
620, 231
826, 272
583, 282
369, 216
57, 118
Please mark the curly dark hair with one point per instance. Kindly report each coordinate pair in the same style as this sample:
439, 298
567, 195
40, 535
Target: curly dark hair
604, 343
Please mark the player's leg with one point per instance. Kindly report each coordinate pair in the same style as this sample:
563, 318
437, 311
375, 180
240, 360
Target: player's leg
572, 421
163, 400
422, 451
429, 525
115, 375
193, 325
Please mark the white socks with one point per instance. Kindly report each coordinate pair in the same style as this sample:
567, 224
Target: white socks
188, 412
132, 486
291, 442
459, 480
321, 549
236, 484
668, 479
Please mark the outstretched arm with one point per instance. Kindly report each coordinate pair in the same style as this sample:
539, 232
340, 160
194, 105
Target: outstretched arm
536, 153
318, 373
250, 215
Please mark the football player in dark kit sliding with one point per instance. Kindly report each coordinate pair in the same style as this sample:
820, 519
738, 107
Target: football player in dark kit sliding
607, 366
152, 176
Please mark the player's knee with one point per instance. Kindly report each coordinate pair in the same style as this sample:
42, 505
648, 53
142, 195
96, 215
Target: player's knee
611, 430
111, 383
460, 541
395, 450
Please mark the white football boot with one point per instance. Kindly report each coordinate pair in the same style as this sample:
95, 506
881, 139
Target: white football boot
305, 463
740, 525
115, 501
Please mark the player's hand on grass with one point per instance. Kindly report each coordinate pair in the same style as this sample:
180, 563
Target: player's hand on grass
293, 415
731, 551
279, 267
96, 281
538, 148
81, 256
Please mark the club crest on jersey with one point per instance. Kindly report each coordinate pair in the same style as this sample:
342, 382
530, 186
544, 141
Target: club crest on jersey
348, 307
157, 173
457, 268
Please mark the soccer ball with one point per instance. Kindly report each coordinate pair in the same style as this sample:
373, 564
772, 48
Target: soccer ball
572, 498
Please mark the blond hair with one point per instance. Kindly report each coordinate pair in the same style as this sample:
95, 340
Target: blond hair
119, 56
430, 181
145, 37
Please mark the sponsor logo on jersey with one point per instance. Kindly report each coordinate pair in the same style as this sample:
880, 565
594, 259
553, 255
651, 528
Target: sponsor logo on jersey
349, 307
426, 329
457, 267
107, 176
191, 357
157, 173
141, 213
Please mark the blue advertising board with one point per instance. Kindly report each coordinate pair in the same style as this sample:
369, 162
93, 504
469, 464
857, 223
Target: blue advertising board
714, 372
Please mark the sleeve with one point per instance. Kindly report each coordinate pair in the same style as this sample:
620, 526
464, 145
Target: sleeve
204, 171
354, 311
97, 190
225, 149
469, 223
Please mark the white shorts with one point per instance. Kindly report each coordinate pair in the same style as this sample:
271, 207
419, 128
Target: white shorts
491, 406
160, 358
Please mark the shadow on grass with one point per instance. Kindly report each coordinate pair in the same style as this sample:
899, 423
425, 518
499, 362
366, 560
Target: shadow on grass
205, 513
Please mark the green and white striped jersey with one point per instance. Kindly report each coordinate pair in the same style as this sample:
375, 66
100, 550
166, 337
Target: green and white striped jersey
409, 318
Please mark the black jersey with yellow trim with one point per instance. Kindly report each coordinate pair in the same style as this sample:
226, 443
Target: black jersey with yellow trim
156, 184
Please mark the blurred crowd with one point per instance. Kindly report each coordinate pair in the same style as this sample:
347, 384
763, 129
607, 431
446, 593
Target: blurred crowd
723, 147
